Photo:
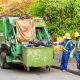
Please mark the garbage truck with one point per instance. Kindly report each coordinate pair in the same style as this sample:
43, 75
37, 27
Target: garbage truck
26, 42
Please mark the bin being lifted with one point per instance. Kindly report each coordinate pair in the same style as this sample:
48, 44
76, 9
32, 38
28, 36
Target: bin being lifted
25, 41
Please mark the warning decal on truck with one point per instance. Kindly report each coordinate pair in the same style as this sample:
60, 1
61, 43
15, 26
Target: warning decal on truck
1, 34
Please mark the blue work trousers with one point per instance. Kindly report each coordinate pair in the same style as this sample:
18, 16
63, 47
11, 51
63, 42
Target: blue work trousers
64, 61
77, 57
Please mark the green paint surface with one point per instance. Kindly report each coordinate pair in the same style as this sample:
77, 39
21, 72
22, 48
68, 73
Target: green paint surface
37, 56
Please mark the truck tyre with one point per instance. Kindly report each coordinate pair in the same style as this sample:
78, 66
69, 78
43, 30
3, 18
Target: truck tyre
3, 62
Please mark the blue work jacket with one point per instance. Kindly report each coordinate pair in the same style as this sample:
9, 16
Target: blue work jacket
68, 45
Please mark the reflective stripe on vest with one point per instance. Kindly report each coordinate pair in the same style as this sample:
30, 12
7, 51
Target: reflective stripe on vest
79, 44
66, 46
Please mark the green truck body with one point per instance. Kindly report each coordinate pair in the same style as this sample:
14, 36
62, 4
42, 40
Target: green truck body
28, 56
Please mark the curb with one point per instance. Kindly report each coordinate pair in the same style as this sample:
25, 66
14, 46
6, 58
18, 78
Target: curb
69, 70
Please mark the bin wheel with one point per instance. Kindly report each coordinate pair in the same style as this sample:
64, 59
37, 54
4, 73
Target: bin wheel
27, 68
3, 62
48, 68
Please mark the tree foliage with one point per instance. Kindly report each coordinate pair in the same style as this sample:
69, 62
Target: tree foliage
61, 15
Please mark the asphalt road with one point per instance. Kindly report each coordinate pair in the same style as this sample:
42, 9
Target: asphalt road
36, 74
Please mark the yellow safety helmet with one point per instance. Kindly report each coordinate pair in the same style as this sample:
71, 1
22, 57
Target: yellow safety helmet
76, 34
67, 35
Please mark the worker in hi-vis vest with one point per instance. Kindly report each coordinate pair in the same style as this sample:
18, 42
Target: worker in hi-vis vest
77, 48
68, 48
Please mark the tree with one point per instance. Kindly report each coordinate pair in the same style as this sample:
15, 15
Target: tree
62, 15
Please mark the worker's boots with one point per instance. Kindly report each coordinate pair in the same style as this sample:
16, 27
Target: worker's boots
78, 65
